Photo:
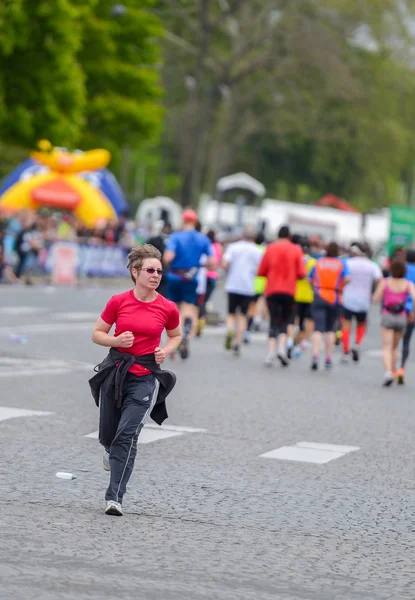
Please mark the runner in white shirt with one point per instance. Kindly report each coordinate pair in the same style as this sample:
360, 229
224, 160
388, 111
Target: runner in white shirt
241, 261
357, 297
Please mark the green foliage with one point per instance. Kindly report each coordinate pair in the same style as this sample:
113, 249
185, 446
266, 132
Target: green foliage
79, 74
120, 57
320, 96
41, 83
310, 97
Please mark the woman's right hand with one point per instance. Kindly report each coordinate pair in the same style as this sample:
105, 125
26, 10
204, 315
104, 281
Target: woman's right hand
125, 340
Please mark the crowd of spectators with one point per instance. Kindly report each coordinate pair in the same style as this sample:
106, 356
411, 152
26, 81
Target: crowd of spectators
25, 238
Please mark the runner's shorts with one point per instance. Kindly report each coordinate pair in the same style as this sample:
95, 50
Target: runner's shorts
281, 310
324, 315
180, 290
360, 317
240, 301
303, 313
397, 323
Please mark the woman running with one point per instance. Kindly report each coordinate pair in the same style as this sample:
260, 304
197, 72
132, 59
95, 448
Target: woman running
394, 293
129, 384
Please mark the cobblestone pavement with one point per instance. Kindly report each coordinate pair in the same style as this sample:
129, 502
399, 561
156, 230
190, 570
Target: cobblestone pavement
206, 517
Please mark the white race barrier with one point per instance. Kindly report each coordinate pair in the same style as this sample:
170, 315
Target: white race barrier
91, 261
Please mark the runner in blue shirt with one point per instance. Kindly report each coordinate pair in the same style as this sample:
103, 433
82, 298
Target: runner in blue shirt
183, 253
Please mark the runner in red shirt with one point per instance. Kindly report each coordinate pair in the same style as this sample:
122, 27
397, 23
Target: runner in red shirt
140, 316
282, 265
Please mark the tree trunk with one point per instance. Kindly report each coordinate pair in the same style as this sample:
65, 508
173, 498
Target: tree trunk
194, 148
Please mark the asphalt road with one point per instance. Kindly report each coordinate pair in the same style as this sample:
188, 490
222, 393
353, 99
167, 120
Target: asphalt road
206, 517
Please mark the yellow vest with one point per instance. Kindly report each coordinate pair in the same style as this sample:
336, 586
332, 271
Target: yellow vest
304, 292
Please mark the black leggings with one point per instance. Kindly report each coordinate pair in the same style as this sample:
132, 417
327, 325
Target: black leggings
406, 342
210, 287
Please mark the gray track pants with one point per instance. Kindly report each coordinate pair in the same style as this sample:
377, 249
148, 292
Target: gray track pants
139, 397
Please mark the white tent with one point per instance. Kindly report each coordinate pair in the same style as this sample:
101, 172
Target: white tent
153, 211
241, 181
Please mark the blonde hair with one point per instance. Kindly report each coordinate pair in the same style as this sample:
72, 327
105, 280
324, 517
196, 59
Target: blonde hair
138, 255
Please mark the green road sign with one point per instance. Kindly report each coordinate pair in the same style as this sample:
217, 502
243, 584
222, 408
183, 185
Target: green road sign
402, 227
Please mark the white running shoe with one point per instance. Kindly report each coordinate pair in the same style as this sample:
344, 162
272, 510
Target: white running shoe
106, 461
283, 358
113, 508
388, 379
269, 361
345, 359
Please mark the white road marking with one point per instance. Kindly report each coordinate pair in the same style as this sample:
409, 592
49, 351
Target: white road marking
153, 433
329, 447
176, 428
17, 367
374, 353
21, 310
147, 435
311, 452
12, 413
46, 328
74, 316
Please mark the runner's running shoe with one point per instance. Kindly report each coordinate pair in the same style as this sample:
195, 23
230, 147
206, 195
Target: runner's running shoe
328, 364
296, 352
228, 340
184, 348
388, 379
283, 358
269, 361
401, 376
113, 508
355, 354
200, 327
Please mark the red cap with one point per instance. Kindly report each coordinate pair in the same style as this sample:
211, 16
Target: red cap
189, 216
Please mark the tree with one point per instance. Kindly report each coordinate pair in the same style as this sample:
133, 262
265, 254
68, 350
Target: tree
42, 92
121, 61
317, 94
216, 46
121, 58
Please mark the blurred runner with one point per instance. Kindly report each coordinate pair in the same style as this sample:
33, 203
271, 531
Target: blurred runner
159, 242
212, 276
328, 276
282, 265
357, 298
256, 307
393, 293
304, 296
240, 260
182, 256
28, 244
409, 308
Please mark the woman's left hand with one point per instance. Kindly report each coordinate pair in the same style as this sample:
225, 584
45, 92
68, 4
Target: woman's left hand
159, 355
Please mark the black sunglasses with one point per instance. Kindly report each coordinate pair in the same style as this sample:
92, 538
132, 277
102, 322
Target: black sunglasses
151, 270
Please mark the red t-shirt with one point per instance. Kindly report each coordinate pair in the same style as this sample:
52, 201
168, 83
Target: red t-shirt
146, 320
282, 264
